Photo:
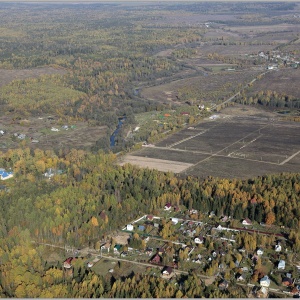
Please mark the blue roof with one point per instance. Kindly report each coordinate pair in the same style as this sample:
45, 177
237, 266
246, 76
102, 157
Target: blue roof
4, 174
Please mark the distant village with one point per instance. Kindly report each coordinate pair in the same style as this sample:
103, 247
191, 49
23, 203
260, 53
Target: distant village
276, 59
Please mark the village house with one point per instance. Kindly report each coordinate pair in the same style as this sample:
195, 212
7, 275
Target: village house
278, 248
105, 247
167, 272
287, 281
219, 227
265, 281
247, 222
296, 291
262, 292
223, 285
124, 254
212, 214
174, 221
149, 251
156, 259
168, 206
281, 265
240, 277
260, 252
141, 227
5, 175
150, 217
224, 219
67, 263
129, 227
199, 240
117, 249
49, 173
160, 251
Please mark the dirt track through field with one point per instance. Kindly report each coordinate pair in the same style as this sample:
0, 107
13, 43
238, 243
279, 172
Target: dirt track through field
158, 164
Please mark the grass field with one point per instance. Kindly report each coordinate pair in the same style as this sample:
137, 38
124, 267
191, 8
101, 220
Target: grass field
229, 146
208, 87
120, 269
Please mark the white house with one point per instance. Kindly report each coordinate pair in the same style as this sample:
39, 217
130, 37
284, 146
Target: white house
129, 227
247, 222
199, 240
281, 265
260, 251
174, 221
265, 281
278, 248
219, 227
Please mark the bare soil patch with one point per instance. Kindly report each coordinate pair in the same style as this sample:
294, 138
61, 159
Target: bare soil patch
121, 238
158, 164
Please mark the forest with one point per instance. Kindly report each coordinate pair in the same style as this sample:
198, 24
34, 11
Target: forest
106, 53
92, 195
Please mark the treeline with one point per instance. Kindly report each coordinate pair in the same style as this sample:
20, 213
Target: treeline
93, 195
270, 99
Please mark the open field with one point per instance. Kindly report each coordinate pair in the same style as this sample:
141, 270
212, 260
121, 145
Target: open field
120, 269
159, 164
283, 81
81, 136
208, 88
228, 146
6, 76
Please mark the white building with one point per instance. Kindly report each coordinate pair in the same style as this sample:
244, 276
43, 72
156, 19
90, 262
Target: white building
265, 281
281, 265
129, 227
278, 248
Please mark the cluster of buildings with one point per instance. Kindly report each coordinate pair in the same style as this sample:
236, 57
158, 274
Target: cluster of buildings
276, 58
